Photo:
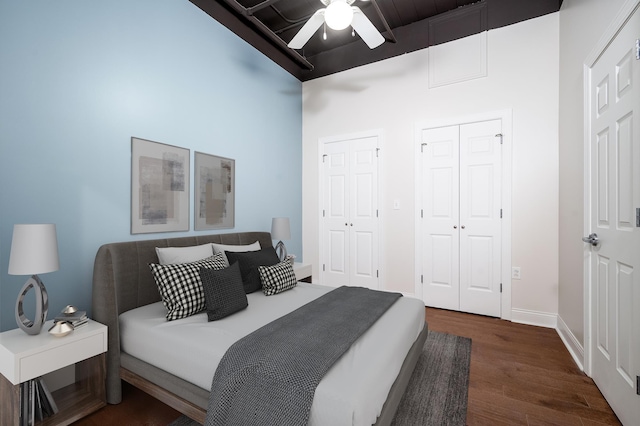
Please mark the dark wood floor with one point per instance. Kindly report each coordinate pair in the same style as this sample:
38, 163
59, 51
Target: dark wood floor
520, 375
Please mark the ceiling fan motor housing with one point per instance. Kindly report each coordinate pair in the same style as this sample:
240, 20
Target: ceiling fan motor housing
338, 15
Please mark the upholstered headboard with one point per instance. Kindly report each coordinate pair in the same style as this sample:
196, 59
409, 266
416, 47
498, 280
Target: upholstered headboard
122, 281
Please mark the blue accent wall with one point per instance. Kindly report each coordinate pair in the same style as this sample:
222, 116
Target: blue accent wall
79, 78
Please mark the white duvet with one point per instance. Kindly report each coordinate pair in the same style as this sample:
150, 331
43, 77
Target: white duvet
351, 393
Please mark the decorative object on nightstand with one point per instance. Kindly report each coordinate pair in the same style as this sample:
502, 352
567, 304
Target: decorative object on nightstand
71, 315
60, 328
280, 230
34, 250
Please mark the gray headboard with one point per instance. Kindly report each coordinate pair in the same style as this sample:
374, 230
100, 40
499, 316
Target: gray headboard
122, 281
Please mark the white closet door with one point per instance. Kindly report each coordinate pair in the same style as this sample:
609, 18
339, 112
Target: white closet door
350, 206
440, 245
480, 223
337, 182
363, 222
461, 225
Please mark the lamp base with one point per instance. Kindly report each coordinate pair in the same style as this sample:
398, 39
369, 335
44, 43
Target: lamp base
281, 251
42, 306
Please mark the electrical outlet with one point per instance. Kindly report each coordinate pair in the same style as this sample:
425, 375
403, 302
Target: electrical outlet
515, 273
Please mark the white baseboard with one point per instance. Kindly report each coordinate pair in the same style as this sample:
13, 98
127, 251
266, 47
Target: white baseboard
573, 345
541, 319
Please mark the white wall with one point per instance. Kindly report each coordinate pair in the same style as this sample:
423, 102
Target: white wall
582, 23
393, 95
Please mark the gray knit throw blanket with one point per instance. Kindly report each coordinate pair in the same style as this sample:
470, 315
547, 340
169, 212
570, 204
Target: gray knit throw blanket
270, 376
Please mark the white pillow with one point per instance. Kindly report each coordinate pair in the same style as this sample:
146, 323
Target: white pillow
221, 248
175, 255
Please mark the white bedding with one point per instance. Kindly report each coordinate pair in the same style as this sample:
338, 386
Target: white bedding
352, 392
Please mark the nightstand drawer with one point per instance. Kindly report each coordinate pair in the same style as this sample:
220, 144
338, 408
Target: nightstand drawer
53, 359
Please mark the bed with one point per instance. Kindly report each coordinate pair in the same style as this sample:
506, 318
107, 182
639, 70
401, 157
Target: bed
126, 299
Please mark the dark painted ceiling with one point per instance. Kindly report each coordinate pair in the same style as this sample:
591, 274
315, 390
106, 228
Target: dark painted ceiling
407, 25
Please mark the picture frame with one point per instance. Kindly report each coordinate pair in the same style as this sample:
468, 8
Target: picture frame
214, 187
159, 187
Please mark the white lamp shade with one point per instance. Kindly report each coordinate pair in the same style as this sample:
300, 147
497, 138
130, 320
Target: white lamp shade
338, 15
34, 249
280, 229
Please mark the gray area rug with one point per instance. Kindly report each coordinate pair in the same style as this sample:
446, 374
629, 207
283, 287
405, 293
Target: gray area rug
437, 391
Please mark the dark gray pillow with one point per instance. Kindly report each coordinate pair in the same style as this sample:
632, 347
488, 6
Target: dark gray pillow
223, 291
249, 262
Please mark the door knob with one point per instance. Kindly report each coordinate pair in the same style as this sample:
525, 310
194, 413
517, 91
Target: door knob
455, 226
462, 227
592, 239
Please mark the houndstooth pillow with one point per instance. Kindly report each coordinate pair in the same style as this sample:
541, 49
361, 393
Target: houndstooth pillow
180, 285
277, 278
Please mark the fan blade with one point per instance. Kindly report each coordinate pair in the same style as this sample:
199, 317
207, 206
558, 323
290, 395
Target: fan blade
307, 30
365, 29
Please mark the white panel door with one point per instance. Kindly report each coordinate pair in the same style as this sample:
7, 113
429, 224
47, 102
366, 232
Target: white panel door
350, 208
461, 170
615, 196
337, 183
440, 197
480, 223
363, 221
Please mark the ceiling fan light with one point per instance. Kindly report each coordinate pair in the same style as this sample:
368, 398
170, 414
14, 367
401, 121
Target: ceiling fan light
338, 15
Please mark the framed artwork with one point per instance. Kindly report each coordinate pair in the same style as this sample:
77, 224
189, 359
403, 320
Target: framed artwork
215, 188
159, 187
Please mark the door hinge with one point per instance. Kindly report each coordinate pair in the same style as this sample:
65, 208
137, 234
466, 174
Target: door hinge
637, 217
376, 212
323, 157
421, 279
500, 213
637, 385
500, 287
638, 49
322, 212
377, 152
422, 146
323, 267
421, 213
499, 135
377, 274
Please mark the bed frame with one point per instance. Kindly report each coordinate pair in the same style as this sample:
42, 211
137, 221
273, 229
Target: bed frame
122, 281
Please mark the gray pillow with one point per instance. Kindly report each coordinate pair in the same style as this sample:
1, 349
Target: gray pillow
223, 291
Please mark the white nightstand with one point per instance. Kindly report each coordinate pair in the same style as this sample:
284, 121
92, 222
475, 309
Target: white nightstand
24, 357
303, 272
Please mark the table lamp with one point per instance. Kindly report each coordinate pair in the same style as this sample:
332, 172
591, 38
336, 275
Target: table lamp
34, 250
280, 230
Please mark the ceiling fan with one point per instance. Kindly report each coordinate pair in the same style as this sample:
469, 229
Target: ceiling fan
338, 15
